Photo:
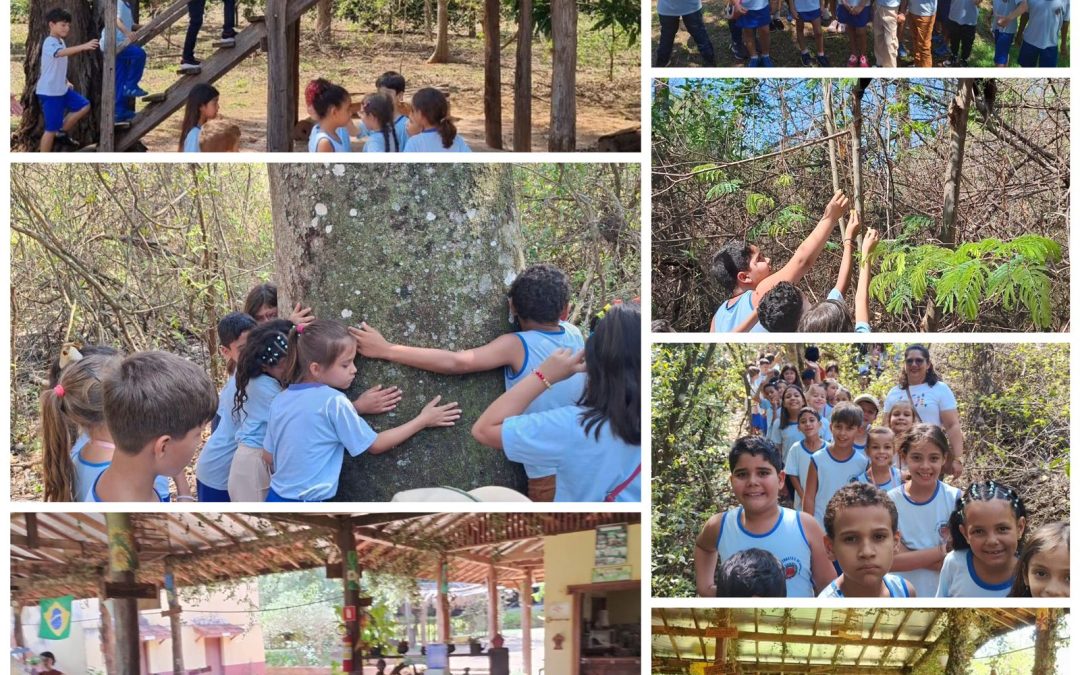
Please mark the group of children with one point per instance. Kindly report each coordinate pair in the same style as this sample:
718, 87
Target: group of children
943, 28
870, 515
116, 428
761, 300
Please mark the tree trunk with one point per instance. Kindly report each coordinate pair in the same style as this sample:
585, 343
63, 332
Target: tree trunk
958, 119
523, 80
562, 134
492, 76
84, 71
424, 253
322, 21
958, 624
830, 129
427, 19
856, 148
442, 41
1045, 641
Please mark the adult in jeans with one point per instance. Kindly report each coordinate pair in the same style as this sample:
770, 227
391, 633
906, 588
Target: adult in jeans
888, 24
920, 22
671, 11
196, 9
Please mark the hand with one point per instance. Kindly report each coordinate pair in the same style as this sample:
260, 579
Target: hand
562, 364
435, 415
268, 460
837, 206
369, 342
377, 400
899, 18
301, 316
737, 9
853, 226
91, 45
1003, 21
870, 240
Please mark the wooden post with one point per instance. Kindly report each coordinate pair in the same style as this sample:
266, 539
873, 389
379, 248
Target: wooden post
562, 135
492, 76
293, 36
526, 622
350, 570
106, 637
424, 622
16, 622
123, 563
442, 603
1045, 646
278, 129
523, 80
493, 602
173, 612
107, 113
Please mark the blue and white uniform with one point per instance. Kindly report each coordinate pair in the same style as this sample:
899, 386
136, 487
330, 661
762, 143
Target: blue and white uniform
894, 479
429, 140
960, 580
784, 436
731, 315
376, 142
191, 141
212, 469
797, 464
924, 525
833, 474
87, 473
340, 141
786, 540
894, 583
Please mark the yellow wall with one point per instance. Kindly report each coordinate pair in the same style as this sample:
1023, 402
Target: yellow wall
568, 561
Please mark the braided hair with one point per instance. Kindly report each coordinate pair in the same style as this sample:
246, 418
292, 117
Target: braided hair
983, 491
266, 346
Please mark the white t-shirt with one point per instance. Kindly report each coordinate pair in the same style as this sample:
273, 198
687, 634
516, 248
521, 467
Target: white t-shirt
797, 464
923, 525
53, 78
960, 580
929, 401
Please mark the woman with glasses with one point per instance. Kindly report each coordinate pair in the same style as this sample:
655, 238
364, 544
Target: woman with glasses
932, 400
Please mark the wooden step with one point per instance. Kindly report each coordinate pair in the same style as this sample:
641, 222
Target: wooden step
255, 18
189, 71
122, 126
154, 98
224, 44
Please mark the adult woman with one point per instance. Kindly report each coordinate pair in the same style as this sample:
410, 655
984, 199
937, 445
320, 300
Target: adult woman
932, 399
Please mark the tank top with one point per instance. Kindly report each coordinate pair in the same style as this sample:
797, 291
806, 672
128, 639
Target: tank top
340, 143
729, 317
786, 540
894, 479
894, 583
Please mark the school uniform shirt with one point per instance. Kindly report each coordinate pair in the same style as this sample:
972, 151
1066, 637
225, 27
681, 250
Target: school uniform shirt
123, 13
191, 141
783, 437
786, 540
339, 141
255, 416
929, 401
893, 583
538, 346
922, 8
730, 316
311, 427
587, 469
754, 5
833, 474
87, 473
960, 580
401, 130
1044, 22
797, 463
894, 479
53, 78
429, 140
215, 459
1003, 8
964, 12
924, 525
677, 7
807, 6
376, 142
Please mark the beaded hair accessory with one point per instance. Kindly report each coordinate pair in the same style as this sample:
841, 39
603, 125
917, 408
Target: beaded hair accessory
984, 492
274, 351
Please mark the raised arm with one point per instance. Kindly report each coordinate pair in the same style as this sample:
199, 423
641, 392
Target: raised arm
505, 350
862, 292
844, 275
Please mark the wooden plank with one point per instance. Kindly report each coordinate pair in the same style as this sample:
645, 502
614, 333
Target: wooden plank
278, 124
526, 619
688, 631
174, 619
107, 104
523, 80
123, 563
123, 589
161, 22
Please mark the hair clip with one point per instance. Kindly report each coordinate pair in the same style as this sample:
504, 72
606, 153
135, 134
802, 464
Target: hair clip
59, 390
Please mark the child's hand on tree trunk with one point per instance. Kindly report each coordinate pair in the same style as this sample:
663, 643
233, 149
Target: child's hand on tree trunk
377, 400
301, 316
435, 415
369, 342
837, 206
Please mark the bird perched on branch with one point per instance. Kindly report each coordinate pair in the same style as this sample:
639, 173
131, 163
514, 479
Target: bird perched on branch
69, 354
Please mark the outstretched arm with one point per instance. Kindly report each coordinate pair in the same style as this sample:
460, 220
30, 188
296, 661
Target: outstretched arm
505, 350
433, 415
844, 276
862, 293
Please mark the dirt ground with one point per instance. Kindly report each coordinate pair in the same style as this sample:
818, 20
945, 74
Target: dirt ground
355, 59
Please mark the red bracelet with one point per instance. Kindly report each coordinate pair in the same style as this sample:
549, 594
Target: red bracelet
541, 377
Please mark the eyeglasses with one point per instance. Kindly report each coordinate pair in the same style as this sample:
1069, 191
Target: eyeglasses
916, 362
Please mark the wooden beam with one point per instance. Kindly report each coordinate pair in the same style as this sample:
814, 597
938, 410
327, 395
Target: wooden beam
765, 667
123, 563
562, 131
174, 620
442, 602
107, 105
493, 602
278, 127
523, 79
671, 636
687, 631
351, 583
526, 621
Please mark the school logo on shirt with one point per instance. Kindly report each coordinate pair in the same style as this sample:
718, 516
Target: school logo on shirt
792, 567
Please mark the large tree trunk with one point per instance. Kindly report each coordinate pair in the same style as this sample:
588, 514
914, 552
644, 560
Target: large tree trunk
424, 253
958, 119
84, 71
1045, 641
322, 20
562, 134
442, 40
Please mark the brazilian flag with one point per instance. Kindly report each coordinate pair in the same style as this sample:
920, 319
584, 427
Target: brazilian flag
55, 618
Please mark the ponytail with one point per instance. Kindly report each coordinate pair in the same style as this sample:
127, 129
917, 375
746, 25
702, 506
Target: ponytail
319, 342
432, 104
293, 370
381, 107
56, 442
447, 131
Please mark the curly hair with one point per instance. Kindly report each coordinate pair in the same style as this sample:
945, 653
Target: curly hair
780, 309
858, 494
755, 446
751, 573
540, 293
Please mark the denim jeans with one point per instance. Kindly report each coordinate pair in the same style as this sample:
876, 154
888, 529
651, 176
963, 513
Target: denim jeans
695, 25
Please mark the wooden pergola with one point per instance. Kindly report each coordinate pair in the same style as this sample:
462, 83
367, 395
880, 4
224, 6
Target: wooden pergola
129, 556
834, 641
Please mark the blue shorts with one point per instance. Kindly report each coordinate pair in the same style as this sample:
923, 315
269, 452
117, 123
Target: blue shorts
1002, 45
54, 108
758, 421
1031, 56
811, 16
272, 496
755, 18
859, 20
206, 493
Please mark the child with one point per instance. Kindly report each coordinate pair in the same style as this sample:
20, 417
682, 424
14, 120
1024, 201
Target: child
785, 431
312, 424
745, 275
216, 457
1003, 27
925, 505
377, 114
392, 84
861, 537
431, 115
539, 302
816, 399
1043, 570
886, 19
882, 472
261, 304
987, 528
870, 409
831, 315
794, 538
690, 12
835, 465
1043, 34
797, 460
752, 573
61, 106
130, 63
219, 136
843, 394
920, 22
332, 106
900, 419
855, 15
752, 16
156, 406
963, 17
809, 11
594, 444
832, 387
202, 106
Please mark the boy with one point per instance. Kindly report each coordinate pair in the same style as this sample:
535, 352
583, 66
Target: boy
219, 136
831, 315
835, 465
48, 663
861, 535
870, 410
156, 405
809, 11
920, 22
797, 460
794, 538
670, 12
753, 573
887, 18
539, 301
1003, 28
745, 275
61, 106
961, 20
752, 16
882, 472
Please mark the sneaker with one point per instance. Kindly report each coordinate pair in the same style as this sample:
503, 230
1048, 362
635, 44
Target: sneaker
902, 54
136, 92
805, 58
227, 42
186, 66
941, 50
775, 25
766, 62
67, 141
823, 60
947, 62
852, 61
863, 63
752, 62
963, 63
739, 52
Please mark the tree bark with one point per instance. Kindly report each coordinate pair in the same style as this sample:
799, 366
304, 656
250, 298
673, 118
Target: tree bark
84, 71
323, 19
957, 627
958, 118
562, 134
442, 40
1045, 641
427, 19
492, 76
830, 129
523, 80
425, 254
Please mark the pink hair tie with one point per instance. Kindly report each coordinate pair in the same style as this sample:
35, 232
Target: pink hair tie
59, 390
300, 328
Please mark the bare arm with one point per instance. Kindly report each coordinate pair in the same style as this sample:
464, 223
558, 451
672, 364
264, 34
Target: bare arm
843, 277
84, 47
798, 486
749, 322
182, 487
505, 350
820, 565
862, 293
433, 415
810, 491
706, 557
924, 558
950, 422
1022, 8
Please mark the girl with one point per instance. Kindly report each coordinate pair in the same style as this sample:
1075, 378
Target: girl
855, 15
1043, 34
431, 115
392, 84
312, 424
72, 466
900, 419
789, 374
797, 460
987, 527
261, 305
843, 394
924, 505
595, 445
377, 114
1043, 570
202, 106
881, 472
332, 106
817, 398
785, 431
